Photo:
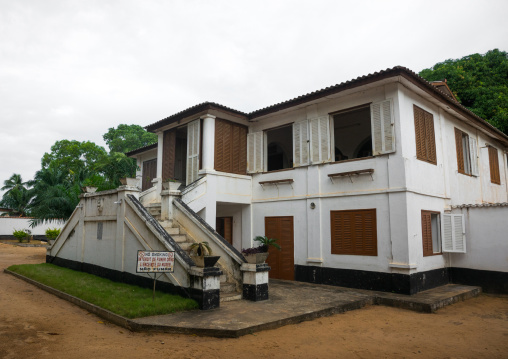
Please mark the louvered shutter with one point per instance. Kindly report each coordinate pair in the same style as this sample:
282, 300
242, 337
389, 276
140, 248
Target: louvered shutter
473, 152
300, 144
427, 233
320, 140
494, 166
383, 134
255, 152
430, 141
460, 151
354, 232
193, 151
454, 238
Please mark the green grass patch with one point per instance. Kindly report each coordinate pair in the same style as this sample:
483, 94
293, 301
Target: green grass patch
124, 299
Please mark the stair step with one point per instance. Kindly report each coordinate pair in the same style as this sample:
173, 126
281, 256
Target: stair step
172, 231
227, 297
227, 287
180, 238
167, 223
185, 245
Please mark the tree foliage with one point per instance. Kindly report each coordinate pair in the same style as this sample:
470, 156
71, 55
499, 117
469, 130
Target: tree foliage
479, 82
127, 138
71, 157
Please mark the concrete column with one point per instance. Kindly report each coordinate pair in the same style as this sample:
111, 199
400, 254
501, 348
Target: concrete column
208, 142
255, 281
205, 286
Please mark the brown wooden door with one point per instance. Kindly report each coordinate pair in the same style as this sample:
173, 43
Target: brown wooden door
224, 226
149, 173
283, 261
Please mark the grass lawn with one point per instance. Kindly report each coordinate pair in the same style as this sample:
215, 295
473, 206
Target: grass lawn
124, 299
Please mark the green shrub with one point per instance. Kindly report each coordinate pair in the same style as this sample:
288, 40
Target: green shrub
22, 234
52, 233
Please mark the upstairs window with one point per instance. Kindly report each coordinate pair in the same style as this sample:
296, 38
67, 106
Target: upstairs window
466, 153
279, 148
352, 133
494, 166
425, 138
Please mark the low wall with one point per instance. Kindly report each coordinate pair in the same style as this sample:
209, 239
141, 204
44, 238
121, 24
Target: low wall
9, 224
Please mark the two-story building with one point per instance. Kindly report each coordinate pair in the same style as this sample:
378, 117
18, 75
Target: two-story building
357, 181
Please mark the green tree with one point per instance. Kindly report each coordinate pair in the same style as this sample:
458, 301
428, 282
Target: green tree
71, 157
126, 138
114, 166
19, 200
479, 82
14, 182
56, 195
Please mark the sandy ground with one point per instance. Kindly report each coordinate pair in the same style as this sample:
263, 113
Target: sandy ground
35, 324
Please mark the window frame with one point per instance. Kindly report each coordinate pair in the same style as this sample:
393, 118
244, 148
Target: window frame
334, 248
466, 150
424, 126
438, 231
266, 144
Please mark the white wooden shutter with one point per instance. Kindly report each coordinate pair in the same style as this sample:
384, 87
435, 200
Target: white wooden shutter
383, 134
474, 156
192, 151
454, 236
255, 152
300, 144
320, 140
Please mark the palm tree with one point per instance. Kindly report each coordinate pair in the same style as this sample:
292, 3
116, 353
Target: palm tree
55, 196
18, 200
14, 182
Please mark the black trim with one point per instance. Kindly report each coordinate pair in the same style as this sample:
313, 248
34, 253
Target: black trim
255, 292
379, 281
490, 281
207, 299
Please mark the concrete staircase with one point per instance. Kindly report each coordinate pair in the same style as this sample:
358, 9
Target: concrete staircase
228, 289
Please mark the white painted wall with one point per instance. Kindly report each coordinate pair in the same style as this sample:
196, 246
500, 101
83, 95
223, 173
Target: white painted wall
486, 239
9, 224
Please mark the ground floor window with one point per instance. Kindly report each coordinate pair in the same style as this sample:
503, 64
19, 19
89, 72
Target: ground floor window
354, 232
431, 233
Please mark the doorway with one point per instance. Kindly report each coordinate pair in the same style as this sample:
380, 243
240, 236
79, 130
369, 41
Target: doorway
224, 226
283, 261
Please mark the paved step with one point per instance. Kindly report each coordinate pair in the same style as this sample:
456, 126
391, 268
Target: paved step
227, 287
228, 297
180, 238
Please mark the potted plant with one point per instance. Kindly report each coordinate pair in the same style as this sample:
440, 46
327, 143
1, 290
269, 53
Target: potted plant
171, 184
258, 255
129, 181
202, 254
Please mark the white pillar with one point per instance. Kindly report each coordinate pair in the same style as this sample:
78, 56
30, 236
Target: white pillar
208, 142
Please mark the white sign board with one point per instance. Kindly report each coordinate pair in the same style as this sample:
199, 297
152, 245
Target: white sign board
155, 262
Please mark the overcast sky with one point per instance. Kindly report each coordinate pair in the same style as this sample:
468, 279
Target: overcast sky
73, 69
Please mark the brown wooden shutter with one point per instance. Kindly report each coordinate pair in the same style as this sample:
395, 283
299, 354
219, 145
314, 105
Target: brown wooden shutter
168, 154
354, 232
425, 137
427, 233
460, 150
149, 173
430, 140
230, 147
494, 166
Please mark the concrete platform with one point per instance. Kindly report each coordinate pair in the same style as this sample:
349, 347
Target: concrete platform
289, 303
294, 302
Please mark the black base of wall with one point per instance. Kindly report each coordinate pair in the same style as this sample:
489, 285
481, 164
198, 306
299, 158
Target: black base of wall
384, 282
38, 237
254, 292
490, 281
205, 299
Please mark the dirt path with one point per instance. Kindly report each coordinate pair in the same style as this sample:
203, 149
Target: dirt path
35, 324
